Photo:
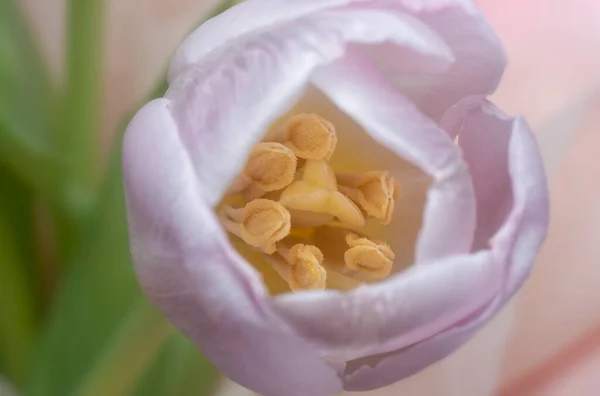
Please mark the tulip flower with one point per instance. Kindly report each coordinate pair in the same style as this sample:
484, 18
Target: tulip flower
324, 199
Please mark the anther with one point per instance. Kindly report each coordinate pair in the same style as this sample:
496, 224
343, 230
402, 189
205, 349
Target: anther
372, 258
310, 136
374, 191
354, 256
261, 223
305, 270
317, 192
271, 166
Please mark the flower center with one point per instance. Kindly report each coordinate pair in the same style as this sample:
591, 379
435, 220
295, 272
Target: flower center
307, 220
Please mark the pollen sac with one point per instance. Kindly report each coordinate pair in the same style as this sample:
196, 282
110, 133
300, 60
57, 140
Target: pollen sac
264, 223
317, 192
271, 166
372, 258
375, 192
307, 272
310, 136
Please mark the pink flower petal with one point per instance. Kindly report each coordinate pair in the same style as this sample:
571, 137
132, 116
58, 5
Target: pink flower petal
406, 309
215, 102
479, 64
485, 150
188, 269
480, 60
514, 245
517, 241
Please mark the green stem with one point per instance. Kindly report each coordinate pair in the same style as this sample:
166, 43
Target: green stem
128, 355
78, 134
80, 130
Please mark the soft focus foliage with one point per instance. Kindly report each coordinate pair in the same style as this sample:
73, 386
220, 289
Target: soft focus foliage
73, 321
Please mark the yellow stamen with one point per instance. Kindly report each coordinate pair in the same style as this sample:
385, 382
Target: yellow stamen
271, 166
372, 258
261, 223
306, 271
317, 192
356, 257
300, 216
310, 136
374, 191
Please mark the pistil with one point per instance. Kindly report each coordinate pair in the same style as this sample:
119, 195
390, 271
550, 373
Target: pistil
317, 192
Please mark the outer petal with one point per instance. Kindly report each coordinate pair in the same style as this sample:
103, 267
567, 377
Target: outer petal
567, 272
416, 304
514, 245
479, 57
404, 310
187, 268
215, 103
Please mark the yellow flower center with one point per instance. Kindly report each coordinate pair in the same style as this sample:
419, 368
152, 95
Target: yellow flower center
305, 219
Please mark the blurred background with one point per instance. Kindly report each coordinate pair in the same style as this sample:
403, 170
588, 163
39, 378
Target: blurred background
72, 319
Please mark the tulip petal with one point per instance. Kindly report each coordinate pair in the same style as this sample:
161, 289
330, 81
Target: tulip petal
406, 309
215, 102
480, 59
358, 88
514, 245
479, 64
188, 269
484, 141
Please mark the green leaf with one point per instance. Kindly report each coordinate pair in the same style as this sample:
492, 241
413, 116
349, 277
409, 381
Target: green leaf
130, 352
31, 160
17, 301
27, 105
17, 199
180, 370
95, 320
97, 294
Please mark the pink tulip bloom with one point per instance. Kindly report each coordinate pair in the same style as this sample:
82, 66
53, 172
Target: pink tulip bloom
399, 87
